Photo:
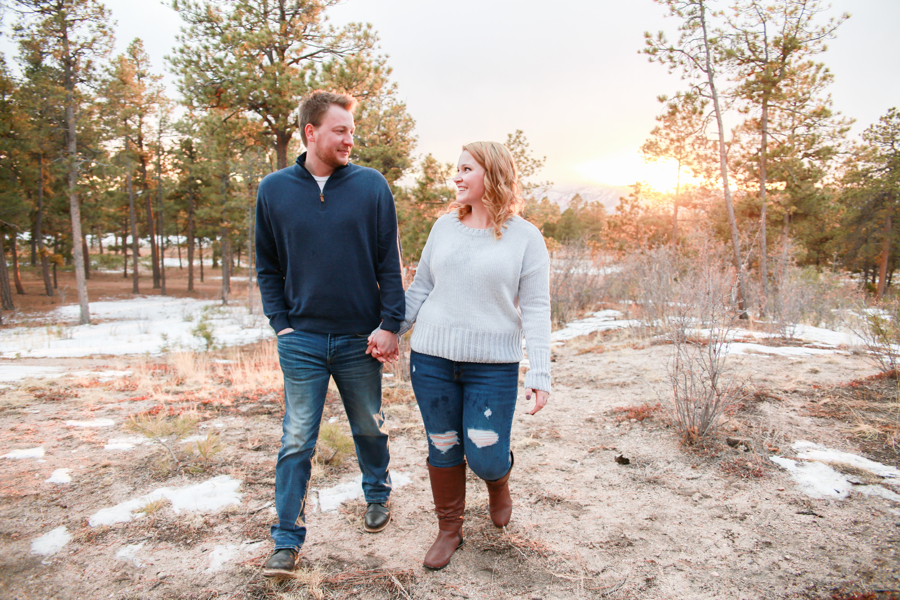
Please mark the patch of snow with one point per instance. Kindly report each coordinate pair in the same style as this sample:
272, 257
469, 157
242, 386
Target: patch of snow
788, 351
60, 476
129, 554
19, 372
135, 326
124, 443
94, 423
603, 320
877, 490
815, 479
208, 496
818, 480
811, 451
331, 498
102, 375
221, 555
26, 453
51, 542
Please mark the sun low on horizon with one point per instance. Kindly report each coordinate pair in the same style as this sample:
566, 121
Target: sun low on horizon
626, 169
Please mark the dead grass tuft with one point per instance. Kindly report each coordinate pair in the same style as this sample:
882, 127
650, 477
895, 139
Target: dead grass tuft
750, 467
638, 413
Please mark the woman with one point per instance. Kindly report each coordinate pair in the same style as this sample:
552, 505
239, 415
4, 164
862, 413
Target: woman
482, 281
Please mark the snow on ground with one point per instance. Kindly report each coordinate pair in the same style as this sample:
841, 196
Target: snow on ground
60, 476
51, 542
600, 321
91, 424
124, 443
129, 554
331, 498
612, 319
817, 479
209, 496
788, 351
152, 324
26, 453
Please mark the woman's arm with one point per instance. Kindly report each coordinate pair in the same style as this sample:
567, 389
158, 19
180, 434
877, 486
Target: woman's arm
534, 303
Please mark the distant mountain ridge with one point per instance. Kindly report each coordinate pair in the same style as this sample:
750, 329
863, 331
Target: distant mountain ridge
607, 195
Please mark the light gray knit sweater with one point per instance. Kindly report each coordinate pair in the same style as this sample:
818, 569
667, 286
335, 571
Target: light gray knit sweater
473, 297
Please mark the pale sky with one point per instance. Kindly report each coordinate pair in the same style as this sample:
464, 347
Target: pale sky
566, 72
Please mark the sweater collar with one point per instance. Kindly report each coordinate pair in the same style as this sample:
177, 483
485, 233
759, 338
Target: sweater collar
301, 162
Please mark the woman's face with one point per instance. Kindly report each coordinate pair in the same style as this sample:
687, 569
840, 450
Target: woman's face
469, 179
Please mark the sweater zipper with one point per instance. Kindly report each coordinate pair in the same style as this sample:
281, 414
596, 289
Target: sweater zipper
322, 200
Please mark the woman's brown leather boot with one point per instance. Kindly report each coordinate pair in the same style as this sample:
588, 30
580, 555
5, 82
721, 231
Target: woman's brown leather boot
448, 486
499, 499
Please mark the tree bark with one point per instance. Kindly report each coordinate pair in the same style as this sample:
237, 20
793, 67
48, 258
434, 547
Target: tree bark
132, 217
723, 169
17, 278
6, 301
200, 249
225, 243
148, 206
763, 241
74, 208
38, 230
159, 215
885, 254
87, 257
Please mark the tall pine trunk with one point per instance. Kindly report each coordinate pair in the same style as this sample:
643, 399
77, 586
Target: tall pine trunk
225, 243
763, 209
6, 301
132, 218
885, 253
159, 215
74, 208
723, 168
38, 230
17, 278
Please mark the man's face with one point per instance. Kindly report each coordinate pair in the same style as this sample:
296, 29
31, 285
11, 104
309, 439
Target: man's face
332, 140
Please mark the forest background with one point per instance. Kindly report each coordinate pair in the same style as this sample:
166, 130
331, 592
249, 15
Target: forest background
102, 168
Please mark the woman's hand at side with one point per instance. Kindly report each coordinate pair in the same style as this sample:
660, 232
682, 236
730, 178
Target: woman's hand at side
540, 399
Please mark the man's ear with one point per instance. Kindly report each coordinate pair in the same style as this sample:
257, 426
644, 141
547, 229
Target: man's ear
309, 132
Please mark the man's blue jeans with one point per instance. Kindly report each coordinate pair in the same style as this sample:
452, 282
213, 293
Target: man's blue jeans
307, 361
468, 411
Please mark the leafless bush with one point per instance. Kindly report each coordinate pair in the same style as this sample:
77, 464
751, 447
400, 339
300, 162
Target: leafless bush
645, 284
700, 327
576, 280
807, 296
878, 327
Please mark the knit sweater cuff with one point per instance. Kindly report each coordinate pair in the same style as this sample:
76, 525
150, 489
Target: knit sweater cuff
538, 379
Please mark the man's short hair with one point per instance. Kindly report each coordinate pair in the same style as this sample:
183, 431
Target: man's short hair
317, 103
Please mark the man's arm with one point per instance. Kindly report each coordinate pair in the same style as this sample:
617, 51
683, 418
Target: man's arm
387, 269
269, 274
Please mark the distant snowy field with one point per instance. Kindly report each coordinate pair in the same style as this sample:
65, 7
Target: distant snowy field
148, 325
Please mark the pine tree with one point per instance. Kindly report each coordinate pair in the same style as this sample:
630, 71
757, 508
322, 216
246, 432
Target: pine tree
699, 56
769, 42
77, 31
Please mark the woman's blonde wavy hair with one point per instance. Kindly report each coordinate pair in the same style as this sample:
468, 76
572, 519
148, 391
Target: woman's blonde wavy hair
502, 197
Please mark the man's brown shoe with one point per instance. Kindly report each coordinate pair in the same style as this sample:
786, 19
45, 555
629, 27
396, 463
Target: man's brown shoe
281, 563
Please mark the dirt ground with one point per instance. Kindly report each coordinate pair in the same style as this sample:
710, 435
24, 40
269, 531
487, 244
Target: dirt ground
719, 522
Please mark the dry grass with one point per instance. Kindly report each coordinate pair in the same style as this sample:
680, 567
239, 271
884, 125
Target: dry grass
638, 413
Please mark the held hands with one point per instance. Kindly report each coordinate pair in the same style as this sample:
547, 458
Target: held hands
540, 399
383, 346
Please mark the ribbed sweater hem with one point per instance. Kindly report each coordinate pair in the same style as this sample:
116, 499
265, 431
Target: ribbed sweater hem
467, 345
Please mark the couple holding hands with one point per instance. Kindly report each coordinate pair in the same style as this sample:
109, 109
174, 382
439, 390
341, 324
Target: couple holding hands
328, 264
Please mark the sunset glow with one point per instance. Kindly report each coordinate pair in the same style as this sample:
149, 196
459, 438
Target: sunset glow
662, 176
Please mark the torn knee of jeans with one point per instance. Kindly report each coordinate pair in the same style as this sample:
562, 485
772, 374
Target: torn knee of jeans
444, 441
483, 437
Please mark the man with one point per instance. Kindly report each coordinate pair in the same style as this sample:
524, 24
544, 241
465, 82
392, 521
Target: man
328, 264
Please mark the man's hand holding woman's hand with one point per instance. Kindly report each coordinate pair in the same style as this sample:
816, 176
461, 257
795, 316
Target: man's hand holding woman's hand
383, 346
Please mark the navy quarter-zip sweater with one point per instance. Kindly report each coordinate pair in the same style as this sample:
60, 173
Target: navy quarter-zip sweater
328, 262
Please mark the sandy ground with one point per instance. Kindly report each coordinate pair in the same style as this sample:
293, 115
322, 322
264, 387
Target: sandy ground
675, 523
